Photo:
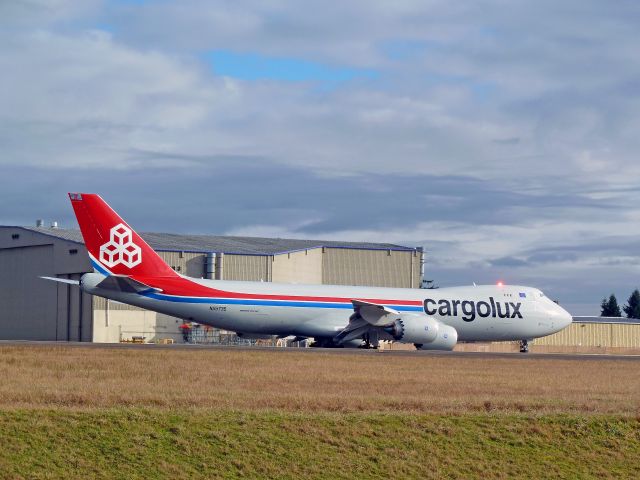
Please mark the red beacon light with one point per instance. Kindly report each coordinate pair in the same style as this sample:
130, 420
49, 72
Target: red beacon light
501, 283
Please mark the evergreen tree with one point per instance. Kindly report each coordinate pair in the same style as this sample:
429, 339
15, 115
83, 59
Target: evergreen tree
604, 307
632, 308
610, 307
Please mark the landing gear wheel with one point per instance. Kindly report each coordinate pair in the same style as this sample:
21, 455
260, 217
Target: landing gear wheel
524, 346
324, 343
369, 344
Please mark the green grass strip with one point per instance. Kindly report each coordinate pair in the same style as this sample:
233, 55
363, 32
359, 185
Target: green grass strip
154, 443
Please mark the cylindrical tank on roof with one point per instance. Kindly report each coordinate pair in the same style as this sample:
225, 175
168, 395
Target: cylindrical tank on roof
210, 266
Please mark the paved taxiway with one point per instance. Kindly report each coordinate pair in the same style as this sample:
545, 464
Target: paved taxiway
333, 351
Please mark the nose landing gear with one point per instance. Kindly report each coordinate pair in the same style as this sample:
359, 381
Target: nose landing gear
524, 346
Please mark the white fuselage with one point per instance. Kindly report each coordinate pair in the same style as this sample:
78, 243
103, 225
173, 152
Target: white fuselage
478, 313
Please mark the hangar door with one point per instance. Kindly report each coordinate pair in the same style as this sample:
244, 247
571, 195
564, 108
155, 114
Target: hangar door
27, 303
75, 312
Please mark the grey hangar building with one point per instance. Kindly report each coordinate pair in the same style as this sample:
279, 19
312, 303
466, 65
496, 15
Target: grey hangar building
35, 309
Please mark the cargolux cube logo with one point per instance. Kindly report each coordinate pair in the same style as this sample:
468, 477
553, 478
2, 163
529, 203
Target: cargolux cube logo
120, 249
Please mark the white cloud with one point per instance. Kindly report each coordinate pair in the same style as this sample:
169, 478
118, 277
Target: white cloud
84, 99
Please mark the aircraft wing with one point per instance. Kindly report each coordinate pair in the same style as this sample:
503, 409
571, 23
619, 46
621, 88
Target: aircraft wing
356, 329
366, 316
374, 314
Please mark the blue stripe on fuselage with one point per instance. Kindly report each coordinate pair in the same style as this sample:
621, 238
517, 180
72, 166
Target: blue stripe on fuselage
268, 303
98, 267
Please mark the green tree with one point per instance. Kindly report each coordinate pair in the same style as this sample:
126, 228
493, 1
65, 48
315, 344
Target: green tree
610, 307
632, 308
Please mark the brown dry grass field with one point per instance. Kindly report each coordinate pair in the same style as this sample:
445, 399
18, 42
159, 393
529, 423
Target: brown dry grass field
89, 378
113, 413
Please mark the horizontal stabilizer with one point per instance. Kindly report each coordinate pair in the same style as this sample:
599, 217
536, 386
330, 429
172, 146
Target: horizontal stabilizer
62, 280
125, 284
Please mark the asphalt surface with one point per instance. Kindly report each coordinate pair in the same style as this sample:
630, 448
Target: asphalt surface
332, 351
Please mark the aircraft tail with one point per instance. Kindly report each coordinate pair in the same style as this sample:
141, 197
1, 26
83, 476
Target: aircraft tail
114, 247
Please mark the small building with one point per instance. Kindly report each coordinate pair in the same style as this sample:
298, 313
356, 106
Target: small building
584, 335
594, 335
36, 309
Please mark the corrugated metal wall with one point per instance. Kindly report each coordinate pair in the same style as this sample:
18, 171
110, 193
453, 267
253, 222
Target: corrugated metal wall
247, 267
337, 266
25, 300
383, 268
298, 267
35, 309
100, 303
74, 312
186, 263
595, 335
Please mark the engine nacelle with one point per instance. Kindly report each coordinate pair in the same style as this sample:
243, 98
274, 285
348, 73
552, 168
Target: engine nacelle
411, 328
425, 332
446, 339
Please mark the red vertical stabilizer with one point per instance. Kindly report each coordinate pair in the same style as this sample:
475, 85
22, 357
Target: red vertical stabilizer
114, 247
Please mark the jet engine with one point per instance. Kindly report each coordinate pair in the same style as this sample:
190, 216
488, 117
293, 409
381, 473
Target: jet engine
445, 340
414, 329
425, 332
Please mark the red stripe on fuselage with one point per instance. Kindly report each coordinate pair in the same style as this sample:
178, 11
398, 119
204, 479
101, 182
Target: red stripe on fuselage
184, 287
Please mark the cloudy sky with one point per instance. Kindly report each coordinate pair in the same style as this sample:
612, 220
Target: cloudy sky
503, 136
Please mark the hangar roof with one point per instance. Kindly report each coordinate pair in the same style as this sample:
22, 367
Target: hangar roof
222, 244
622, 320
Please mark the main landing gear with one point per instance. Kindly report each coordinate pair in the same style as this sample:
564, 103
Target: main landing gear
524, 346
367, 341
322, 342
371, 341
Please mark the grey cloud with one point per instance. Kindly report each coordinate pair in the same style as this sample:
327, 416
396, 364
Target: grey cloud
553, 257
509, 262
602, 247
601, 250
238, 191
507, 141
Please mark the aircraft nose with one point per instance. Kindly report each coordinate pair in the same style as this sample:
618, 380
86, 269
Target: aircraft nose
562, 318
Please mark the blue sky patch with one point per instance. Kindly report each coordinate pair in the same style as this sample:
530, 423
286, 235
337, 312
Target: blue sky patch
253, 66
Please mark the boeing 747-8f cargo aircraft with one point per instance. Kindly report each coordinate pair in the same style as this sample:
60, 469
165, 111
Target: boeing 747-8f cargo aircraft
127, 270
